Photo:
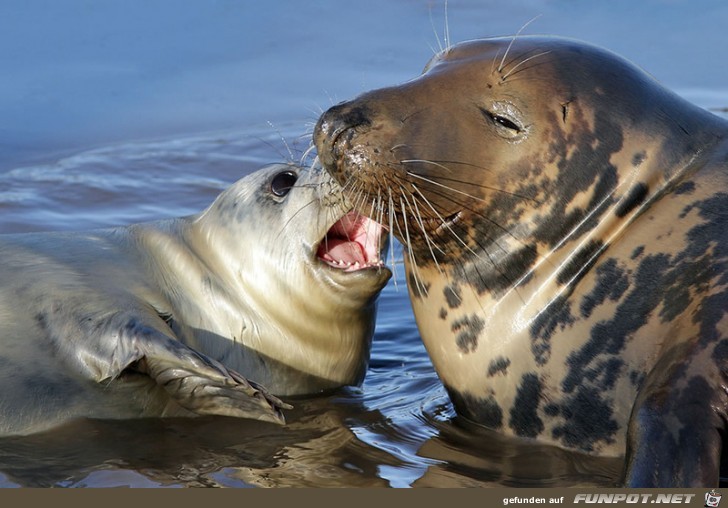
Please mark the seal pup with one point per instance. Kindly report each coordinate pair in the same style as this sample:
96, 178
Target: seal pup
565, 222
276, 281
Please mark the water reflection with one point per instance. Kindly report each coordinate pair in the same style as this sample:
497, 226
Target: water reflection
318, 448
314, 449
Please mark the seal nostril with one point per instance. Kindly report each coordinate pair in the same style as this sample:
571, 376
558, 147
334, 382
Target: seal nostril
357, 117
333, 123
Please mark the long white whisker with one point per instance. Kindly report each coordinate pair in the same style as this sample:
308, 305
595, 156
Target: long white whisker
434, 182
285, 143
434, 30
381, 207
508, 49
447, 29
463, 243
449, 189
306, 154
420, 222
447, 225
422, 289
425, 161
510, 72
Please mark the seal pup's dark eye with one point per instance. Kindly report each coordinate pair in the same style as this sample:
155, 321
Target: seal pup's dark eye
282, 183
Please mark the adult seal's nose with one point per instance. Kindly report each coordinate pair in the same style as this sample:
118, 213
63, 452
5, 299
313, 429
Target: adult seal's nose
337, 120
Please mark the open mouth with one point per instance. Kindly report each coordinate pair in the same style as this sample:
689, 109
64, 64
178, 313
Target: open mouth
353, 243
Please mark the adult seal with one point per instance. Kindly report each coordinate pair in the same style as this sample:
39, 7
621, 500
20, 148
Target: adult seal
276, 281
565, 222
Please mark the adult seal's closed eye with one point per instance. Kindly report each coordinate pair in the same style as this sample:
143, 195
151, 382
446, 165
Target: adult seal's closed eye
565, 226
276, 281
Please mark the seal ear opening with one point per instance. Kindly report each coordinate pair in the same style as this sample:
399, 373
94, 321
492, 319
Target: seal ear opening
353, 243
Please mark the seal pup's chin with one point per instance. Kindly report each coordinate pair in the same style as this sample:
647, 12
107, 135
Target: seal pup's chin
353, 243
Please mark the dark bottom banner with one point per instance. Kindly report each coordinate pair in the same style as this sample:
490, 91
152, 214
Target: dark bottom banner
350, 498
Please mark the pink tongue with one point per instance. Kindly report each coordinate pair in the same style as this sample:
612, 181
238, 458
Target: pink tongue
344, 250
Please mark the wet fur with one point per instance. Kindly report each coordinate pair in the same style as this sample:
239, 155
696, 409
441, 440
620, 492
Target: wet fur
164, 318
563, 217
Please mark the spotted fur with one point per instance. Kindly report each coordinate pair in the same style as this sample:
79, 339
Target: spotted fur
568, 216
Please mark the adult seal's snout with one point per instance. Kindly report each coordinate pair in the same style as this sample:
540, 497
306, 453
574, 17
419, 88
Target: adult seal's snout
564, 218
338, 124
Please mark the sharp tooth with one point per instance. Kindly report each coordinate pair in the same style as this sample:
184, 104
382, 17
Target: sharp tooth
356, 264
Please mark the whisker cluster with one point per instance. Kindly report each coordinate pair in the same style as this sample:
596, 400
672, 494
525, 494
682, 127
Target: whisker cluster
396, 200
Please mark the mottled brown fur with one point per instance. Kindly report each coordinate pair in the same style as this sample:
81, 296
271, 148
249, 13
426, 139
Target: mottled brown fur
565, 222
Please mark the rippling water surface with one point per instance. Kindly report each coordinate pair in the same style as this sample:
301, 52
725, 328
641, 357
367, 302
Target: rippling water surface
110, 118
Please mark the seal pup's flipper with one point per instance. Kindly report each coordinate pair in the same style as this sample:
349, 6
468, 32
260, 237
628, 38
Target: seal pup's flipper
201, 384
138, 340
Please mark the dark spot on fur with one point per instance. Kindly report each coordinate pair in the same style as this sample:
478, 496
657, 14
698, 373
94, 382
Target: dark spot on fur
556, 315
695, 268
583, 160
468, 329
635, 197
685, 188
720, 352
660, 282
605, 373
637, 252
611, 284
443, 313
551, 409
485, 411
419, 289
709, 314
677, 298
685, 211
524, 414
636, 378
580, 263
498, 365
483, 276
453, 296
609, 337
588, 419
638, 158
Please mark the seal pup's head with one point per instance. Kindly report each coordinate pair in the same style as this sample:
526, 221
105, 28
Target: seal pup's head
301, 271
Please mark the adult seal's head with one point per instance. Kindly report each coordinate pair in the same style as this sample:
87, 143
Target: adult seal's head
564, 224
275, 282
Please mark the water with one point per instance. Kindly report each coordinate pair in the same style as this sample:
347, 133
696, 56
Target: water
111, 115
